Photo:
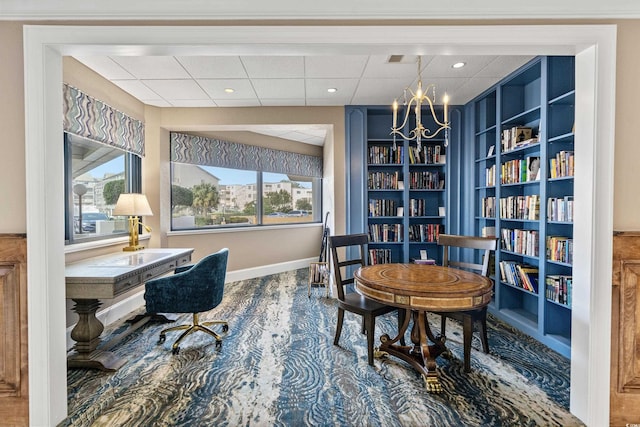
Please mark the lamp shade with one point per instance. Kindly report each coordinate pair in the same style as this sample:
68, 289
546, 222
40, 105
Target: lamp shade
133, 204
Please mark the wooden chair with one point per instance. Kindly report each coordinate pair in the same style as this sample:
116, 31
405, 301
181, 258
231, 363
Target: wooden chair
349, 299
471, 317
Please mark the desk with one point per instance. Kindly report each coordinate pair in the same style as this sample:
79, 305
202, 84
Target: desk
105, 277
418, 289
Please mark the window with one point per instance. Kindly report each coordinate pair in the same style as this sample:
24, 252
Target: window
212, 197
95, 175
218, 183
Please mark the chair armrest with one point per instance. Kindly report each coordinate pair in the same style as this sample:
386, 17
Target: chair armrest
183, 268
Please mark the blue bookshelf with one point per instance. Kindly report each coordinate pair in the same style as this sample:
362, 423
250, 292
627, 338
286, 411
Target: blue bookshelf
533, 172
423, 191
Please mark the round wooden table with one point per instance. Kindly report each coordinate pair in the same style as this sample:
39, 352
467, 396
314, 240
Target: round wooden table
418, 289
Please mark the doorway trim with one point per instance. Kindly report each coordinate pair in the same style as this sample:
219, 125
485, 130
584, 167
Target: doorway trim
593, 45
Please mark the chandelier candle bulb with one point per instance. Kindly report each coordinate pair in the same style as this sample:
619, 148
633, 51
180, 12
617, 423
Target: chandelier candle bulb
395, 113
445, 99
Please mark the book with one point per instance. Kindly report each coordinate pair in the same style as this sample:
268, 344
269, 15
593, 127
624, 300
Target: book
491, 150
488, 231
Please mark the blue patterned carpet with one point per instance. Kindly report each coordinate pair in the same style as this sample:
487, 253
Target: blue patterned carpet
278, 367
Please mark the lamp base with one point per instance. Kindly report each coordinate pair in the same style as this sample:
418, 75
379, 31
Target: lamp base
133, 248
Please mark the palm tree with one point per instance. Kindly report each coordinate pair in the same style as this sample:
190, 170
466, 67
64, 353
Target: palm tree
205, 197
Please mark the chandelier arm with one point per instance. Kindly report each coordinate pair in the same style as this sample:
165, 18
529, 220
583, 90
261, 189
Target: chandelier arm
407, 113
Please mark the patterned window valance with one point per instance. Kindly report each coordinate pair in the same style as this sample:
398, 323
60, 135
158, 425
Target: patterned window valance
214, 152
90, 118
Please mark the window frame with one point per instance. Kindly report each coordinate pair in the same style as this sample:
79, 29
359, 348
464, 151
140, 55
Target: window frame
132, 184
258, 205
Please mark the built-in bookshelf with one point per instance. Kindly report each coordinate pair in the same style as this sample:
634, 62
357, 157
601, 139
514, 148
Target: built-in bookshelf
405, 188
523, 193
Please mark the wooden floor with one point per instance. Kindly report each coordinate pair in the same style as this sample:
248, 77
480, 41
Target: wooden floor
14, 411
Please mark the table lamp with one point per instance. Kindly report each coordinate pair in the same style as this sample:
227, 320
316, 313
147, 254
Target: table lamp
134, 205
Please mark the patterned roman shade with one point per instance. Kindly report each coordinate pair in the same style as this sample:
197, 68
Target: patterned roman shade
214, 152
90, 118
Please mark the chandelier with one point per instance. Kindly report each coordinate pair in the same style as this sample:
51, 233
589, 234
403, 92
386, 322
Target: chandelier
419, 98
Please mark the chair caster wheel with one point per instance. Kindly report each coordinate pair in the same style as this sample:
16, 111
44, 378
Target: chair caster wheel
225, 328
175, 350
162, 339
218, 344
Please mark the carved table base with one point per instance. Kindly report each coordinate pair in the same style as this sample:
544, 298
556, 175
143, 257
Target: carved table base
420, 355
87, 332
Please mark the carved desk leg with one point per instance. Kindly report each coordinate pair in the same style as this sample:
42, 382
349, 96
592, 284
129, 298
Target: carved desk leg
86, 333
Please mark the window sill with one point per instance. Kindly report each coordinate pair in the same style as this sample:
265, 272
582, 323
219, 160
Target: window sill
103, 243
243, 229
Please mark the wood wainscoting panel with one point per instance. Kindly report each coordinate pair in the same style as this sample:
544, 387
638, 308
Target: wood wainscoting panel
625, 330
14, 394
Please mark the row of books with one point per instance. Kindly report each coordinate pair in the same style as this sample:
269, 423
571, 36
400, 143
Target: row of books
424, 232
490, 176
385, 154
383, 180
561, 164
560, 249
520, 170
523, 242
385, 233
559, 289
426, 180
560, 209
520, 207
383, 207
516, 137
379, 256
427, 155
488, 207
520, 275
418, 207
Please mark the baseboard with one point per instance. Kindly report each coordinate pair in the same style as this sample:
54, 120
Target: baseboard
123, 308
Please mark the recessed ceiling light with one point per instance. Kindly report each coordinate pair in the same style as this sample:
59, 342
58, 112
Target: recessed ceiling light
229, 90
332, 90
459, 65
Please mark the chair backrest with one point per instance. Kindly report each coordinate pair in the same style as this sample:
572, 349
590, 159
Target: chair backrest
487, 244
210, 272
341, 264
198, 289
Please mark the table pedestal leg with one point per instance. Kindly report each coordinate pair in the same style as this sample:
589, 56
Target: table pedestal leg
86, 333
420, 355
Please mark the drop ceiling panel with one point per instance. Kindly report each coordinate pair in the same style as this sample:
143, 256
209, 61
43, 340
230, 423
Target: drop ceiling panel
335, 66
385, 90
441, 66
238, 102
137, 89
216, 88
318, 88
274, 66
109, 69
152, 67
378, 67
471, 89
176, 89
279, 88
193, 103
283, 102
213, 67
503, 66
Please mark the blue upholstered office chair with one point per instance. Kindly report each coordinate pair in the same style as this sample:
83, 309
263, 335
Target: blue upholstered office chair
192, 289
